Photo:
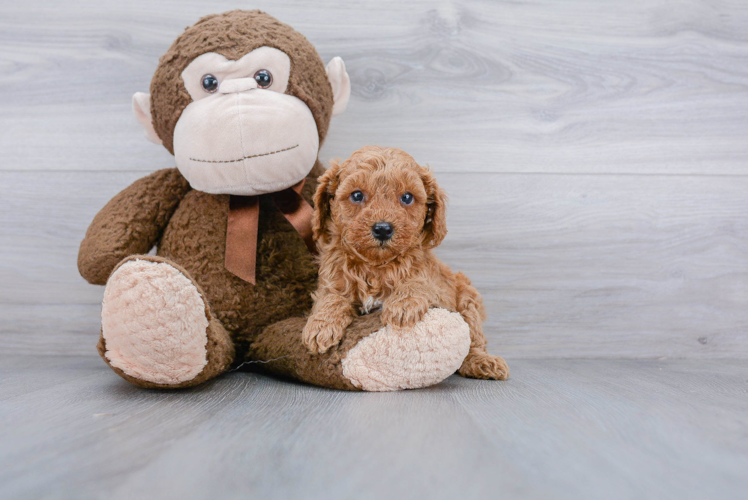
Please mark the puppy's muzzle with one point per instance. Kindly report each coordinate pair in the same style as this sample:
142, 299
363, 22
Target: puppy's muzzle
382, 231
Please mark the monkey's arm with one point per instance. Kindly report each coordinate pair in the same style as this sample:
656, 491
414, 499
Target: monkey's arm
131, 223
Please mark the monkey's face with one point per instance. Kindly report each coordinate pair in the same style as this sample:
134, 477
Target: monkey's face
241, 134
243, 102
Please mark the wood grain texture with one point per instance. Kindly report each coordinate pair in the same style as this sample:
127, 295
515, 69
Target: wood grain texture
580, 86
569, 266
595, 154
571, 429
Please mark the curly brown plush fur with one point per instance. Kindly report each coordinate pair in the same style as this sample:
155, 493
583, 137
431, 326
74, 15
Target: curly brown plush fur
400, 272
189, 226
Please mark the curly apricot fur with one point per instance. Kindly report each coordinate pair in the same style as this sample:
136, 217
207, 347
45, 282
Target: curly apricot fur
402, 273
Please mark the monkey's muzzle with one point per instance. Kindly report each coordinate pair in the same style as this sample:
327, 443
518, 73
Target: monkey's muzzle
245, 141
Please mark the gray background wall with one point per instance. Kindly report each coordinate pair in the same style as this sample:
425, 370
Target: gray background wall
595, 153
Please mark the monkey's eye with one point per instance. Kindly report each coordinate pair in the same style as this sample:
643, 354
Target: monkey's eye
357, 197
209, 83
264, 78
406, 199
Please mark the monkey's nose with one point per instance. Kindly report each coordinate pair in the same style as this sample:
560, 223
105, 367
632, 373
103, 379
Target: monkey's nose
237, 85
382, 231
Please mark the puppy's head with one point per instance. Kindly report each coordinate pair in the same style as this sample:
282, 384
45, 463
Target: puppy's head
379, 204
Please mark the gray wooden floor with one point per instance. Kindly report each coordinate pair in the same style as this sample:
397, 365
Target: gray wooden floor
596, 157
559, 429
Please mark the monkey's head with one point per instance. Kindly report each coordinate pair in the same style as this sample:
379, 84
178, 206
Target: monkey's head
243, 102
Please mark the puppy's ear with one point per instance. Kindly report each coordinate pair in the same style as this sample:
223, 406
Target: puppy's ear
328, 184
435, 225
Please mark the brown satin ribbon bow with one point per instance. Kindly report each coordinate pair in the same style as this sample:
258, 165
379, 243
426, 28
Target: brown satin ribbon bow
243, 222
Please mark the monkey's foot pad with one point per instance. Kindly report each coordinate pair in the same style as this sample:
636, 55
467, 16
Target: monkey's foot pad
391, 359
154, 323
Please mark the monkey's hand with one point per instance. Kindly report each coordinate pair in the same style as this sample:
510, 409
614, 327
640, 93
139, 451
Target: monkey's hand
480, 364
403, 311
325, 327
131, 223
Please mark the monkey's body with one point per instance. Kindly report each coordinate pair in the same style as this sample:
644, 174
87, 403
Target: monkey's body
286, 271
189, 228
181, 317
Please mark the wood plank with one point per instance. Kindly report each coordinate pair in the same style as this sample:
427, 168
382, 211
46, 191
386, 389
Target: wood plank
569, 265
557, 429
579, 86
51, 329
592, 266
622, 414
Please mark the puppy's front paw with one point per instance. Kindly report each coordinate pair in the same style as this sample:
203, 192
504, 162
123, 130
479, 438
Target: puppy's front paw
319, 334
404, 312
484, 366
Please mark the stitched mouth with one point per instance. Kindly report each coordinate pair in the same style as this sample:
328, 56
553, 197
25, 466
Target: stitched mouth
245, 157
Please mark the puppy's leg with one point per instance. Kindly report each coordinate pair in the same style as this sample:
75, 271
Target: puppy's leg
330, 317
478, 363
406, 306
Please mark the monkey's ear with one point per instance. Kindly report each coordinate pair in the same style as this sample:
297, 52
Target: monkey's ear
141, 107
328, 184
341, 85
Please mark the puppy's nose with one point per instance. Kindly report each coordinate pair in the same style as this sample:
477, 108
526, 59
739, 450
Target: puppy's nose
382, 231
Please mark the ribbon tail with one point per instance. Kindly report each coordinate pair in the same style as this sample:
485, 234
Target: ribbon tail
241, 237
298, 212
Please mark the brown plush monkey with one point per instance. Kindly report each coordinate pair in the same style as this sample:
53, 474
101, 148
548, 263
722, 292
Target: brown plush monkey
243, 102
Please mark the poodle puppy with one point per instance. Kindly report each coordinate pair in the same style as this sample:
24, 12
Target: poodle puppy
377, 217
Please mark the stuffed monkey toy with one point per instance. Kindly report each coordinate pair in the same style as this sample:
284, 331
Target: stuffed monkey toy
243, 102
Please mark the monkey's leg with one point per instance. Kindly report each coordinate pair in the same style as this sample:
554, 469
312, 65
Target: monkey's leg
371, 357
157, 328
478, 363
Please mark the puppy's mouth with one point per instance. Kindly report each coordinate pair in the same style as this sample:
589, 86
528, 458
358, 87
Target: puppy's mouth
375, 253
378, 246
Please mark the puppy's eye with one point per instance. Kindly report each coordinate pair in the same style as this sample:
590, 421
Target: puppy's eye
264, 78
406, 199
357, 197
209, 83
